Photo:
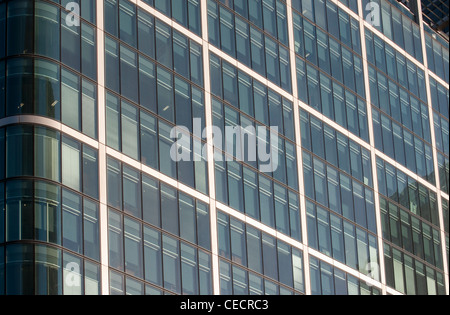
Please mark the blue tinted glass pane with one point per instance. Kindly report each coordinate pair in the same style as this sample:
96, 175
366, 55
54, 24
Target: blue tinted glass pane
170, 213
166, 108
194, 16
2, 31
152, 256
181, 54
19, 151
243, 41
270, 257
132, 192
146, 33
266, 201
88, 51
179, 11
70, 44
47, 89
111, 17
163, 6
164, 43
47, 30
114, 184
227, 32
128, 74
20, 21
2, 157
167, 165
255, 12
257, 48
19, 80
2, 88
72, 221
112, 65
91, 230
196, 60
171, 263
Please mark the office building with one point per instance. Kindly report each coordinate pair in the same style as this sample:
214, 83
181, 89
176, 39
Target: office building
347, 101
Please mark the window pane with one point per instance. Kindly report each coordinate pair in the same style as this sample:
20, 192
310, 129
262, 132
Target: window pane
47, 215
188, 228
270, 257
47, 147
257, 48
127, 22
149, 140
266, 201
71, 163
114, 183
132, 192
113, 129
47, 30
181, 54
163, 43
167, 165
152, 256
91, 231
19, 210
47, 89
115, 237
88, 51
243, 42
238, 243
147, 84
130, 130
112, 66
70, 99
169, 210
19, 24
189, 269
254, 250
72, 221
146, 33
171, 261
165, 95
196, 60
70, 43
128, 74
19, 151
89, 109
133, 248
227, 31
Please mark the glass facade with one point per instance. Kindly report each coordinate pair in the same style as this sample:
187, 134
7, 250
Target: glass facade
135, 138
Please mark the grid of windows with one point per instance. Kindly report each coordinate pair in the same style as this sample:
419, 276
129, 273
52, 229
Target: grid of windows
59, 84
255, 34
161, 236
398, 25
48, 209
329, 65
274, 267
328, 280
163, 69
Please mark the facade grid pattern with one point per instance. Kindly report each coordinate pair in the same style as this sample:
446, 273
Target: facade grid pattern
358, 203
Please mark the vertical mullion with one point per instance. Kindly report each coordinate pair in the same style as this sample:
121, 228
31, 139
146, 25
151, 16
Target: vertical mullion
296, 109
433, 144
373, 155
102, 163
210, 152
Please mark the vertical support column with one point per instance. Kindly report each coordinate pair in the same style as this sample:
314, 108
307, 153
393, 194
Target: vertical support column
381, 270
298, 138
102, 150
433, 144
210, 151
